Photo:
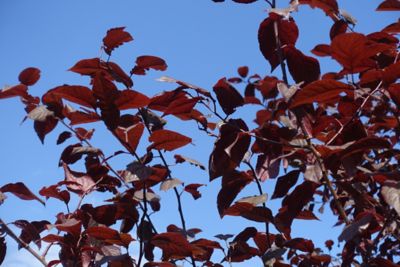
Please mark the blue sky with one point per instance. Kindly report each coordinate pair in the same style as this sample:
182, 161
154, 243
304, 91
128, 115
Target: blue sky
201, 41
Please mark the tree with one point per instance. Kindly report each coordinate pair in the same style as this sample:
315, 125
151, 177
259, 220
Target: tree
325, 138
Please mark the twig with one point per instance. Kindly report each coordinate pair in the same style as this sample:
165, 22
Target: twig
260, 191
22, 243
178, 196
325, 177
355, 113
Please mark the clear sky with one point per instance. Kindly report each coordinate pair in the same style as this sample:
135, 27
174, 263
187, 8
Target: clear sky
201, 41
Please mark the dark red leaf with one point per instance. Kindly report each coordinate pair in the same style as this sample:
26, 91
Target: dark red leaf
284, 183
232, 184
20, 190
42, 128
63, 136
29, 76
78, 182
144, 63
288, 34
389, 5
55, 192
320, 91
193, 190
330, 7
131, 135
3, 249
130, 99
228, 97
243, 71
17, 90
168, 140
173, 245
322, 50
338, 27
102, 233
77, 94
87, 66
302, 68
114, 38
301, 244
79, 117
353, 51
72, 226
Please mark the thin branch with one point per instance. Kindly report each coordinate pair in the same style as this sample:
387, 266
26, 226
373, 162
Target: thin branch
178, 196
325, 177
22, 243
260, 191
356, 114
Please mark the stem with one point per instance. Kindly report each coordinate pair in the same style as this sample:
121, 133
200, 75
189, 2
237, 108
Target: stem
20, 242
356, 113
260, 191
178, 196
328, 183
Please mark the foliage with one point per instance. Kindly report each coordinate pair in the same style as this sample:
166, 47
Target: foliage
334, 135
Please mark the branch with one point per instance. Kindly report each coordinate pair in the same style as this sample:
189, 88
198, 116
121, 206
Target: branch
260, 191
356, 114
21, 243
178, 196
325, 177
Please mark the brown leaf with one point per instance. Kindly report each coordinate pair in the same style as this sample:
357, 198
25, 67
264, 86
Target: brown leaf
391, 194
78, 182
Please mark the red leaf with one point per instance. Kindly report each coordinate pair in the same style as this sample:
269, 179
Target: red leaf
20, 190
394, 91
301, 244
232, 184
353, 51
243, 71
284, 183
168, 140
144, 63
322, 50
102, 233
29, 76
130, 99
229, 149
131, 135
78, 182
302, 68
288, 34
320, 91
79, 117
365, 144
63, 136
330, 7
80, 95
17, 90
389, 5
181, 159
114, 38
193, 190
3, 249
173, 245
181, 105
338, 27
72, 226
55, 192
228, 97
87, 66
